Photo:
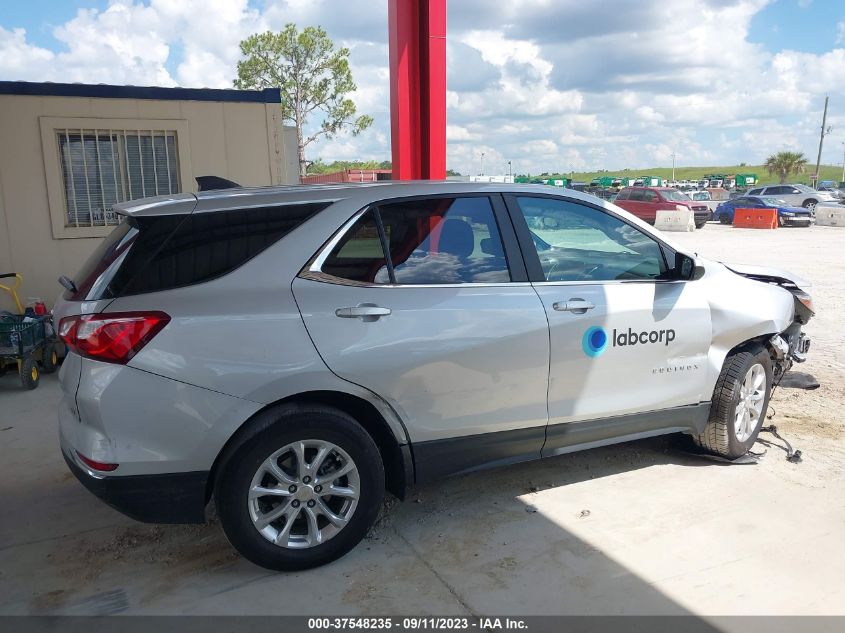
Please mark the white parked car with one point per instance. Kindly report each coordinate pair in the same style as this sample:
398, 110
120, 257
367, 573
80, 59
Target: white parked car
794, 195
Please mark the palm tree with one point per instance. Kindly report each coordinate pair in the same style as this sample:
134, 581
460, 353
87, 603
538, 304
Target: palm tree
784, 163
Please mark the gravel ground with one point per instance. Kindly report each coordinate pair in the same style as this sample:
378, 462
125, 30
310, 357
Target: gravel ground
639, 528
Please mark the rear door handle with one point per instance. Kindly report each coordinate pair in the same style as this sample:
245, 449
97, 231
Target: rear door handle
578, 306
363, 312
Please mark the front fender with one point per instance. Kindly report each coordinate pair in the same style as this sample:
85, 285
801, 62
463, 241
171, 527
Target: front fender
740, 309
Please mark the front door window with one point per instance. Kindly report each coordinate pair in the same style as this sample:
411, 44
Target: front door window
579, 243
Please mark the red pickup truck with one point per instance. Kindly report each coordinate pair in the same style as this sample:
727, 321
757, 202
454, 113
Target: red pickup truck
645, 202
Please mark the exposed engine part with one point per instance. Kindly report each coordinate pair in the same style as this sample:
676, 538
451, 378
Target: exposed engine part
799, 354
778, 347
781, 360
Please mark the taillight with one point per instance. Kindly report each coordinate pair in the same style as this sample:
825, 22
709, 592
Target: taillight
113, 337
106, 467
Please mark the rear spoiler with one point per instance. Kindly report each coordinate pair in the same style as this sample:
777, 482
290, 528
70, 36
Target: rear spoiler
210, 183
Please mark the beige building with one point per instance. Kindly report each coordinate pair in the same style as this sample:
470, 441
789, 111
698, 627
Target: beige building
68, 152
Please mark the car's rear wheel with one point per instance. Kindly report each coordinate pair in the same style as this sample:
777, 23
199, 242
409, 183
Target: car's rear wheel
739, 404
302, 489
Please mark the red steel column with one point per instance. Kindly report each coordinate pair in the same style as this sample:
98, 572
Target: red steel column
418, 88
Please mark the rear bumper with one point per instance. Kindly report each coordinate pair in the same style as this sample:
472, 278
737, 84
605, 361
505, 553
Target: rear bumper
164, 498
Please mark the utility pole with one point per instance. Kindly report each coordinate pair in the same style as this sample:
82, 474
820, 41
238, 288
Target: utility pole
482, 164
673, 166
510, 172
821, 142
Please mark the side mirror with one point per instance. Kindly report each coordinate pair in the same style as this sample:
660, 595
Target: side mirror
686, 268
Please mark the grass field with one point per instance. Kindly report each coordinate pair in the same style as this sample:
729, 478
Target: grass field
828, 172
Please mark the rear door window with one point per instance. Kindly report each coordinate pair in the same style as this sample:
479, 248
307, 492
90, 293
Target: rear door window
430, 241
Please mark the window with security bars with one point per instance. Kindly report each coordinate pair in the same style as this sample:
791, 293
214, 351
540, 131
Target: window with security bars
103, 167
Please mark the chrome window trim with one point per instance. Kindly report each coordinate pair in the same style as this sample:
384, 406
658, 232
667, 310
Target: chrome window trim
326, 278
602, 282
316, 263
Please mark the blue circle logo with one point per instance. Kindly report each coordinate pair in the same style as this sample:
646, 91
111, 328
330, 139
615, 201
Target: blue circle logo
594, 342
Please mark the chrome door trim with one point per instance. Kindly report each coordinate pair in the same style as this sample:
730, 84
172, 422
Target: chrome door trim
326, 278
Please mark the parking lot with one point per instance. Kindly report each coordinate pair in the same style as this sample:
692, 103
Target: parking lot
639, 528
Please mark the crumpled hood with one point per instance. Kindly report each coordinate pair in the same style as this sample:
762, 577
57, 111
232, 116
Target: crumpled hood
769, 274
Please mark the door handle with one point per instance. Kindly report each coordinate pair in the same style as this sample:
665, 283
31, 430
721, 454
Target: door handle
578, 306
364, 312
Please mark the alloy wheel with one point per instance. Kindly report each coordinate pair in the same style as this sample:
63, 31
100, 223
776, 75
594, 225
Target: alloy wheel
749, 409
304, 494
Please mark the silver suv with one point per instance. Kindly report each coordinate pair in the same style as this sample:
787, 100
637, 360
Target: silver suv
795, 195
293, 352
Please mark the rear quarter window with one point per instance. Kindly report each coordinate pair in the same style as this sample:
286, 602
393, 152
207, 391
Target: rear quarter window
175, 251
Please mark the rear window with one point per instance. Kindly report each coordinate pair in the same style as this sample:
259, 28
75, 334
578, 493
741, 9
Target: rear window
155, 253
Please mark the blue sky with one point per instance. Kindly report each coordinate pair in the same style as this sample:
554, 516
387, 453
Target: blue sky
803, 26
547, 84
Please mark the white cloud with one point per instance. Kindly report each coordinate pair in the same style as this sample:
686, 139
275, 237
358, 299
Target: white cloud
547, 85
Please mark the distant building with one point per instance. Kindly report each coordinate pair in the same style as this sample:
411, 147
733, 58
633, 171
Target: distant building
69, 152
348, 175
492, 178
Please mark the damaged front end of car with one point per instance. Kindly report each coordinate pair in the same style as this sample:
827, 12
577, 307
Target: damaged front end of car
791, 345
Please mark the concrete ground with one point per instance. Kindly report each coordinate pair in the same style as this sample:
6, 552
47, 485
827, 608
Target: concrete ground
640, 528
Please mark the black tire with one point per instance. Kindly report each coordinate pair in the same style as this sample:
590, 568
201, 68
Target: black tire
810, 204
719, 434
723, 219
30, 374
272, 430
700, 225
49, 358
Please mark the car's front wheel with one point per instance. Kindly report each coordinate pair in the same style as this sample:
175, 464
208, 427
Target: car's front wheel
739, 404
302, 489
723, 219
810, 204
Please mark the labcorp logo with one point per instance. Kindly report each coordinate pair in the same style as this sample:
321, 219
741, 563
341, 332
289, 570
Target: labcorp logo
595, 339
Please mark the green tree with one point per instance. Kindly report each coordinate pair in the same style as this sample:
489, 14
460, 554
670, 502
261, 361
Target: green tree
312, 75
783, 164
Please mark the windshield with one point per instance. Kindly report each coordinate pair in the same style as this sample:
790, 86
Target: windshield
675, 195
